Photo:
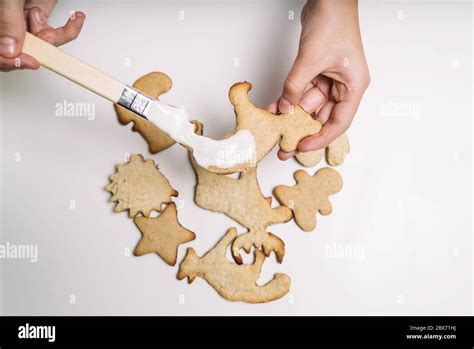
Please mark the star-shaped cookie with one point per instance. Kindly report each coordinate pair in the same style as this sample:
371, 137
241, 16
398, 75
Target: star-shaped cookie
162, 235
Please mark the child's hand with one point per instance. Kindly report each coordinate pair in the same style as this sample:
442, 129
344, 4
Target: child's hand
18, 16
330, 69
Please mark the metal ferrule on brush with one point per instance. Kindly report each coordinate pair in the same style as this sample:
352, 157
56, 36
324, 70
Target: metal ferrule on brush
134, 101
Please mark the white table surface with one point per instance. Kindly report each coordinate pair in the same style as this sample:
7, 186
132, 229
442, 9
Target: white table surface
405, 206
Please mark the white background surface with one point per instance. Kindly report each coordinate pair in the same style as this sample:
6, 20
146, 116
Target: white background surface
406, 201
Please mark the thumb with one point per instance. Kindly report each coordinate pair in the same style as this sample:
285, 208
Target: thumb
300, 75
12, 28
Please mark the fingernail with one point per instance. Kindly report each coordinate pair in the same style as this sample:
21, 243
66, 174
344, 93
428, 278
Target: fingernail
7, 46
79, 20
39, 17
284, 106
305, 106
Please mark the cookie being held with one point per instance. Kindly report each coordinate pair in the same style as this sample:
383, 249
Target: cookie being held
232, 281
267, 128
310, 195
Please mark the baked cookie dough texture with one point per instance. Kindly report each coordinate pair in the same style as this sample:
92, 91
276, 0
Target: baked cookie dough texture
139, 187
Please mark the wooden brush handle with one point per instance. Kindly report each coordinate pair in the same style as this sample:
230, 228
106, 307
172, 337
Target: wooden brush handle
73, 69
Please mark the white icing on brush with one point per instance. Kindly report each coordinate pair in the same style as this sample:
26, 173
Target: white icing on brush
238, 149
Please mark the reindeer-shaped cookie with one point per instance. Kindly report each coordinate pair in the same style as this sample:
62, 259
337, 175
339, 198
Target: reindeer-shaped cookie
267, 128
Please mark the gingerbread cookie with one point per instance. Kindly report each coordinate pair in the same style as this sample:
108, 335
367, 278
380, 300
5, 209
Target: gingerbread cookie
138, 186
310, 195
232, 281
242, 200
162, 235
